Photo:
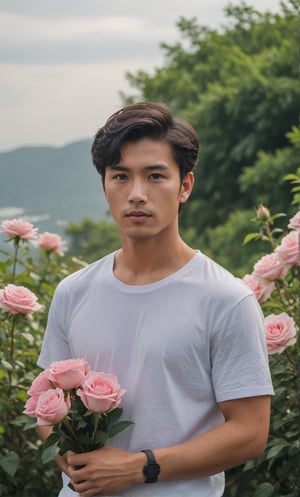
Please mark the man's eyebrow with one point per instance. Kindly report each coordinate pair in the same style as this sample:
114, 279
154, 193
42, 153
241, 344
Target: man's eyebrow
152, 167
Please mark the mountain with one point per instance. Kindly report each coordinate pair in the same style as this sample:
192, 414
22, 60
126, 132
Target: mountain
51, 186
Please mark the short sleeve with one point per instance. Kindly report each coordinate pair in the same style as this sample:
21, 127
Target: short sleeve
55, 345
239, 357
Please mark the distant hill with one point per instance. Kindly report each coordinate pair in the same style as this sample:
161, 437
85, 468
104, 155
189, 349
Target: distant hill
51, 186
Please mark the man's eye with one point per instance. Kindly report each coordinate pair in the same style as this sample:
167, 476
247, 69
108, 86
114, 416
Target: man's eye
119, 176
156, 176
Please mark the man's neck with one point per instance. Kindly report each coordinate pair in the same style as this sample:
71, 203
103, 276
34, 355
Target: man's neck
141, 262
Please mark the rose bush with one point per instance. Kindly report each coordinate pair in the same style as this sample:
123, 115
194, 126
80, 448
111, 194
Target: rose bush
275, 282
27, 284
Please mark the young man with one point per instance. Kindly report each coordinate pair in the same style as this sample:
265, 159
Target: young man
184, 337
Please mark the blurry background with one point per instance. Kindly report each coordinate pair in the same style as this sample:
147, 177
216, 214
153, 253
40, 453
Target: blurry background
230, 69
63, 62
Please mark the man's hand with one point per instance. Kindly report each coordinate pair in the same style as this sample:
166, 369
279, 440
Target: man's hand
105, 471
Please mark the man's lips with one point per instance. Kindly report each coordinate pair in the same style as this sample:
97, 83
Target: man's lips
137, 214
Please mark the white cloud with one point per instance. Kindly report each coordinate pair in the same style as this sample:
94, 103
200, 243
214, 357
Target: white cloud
26, 39
23, 28
61, 103
64, 61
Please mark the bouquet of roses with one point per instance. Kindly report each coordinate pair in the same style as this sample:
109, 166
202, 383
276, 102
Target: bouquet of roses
81, 405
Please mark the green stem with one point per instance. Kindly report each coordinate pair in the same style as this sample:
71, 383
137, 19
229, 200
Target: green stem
16, 245
269, 234
12, 337
281, 294
69, 427
97, 416
291, 359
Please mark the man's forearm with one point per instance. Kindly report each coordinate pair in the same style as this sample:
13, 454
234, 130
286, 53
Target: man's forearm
238, 440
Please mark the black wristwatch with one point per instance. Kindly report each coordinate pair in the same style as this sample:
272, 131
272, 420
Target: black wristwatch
152, 468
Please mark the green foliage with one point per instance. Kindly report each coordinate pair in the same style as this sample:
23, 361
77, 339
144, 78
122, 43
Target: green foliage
22, 472
239, 87
92, 240
277, 471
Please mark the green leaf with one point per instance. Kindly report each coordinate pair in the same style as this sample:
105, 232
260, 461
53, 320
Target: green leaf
19, 420
249, 465
250, 236
51, 440
264, 490
114, 415
67, 445
290, 177
81, 423
49, 453
31, 424
22, 395
29, 337
277, 216
10, 463
101, 438
274, 451
7, 365
117, 428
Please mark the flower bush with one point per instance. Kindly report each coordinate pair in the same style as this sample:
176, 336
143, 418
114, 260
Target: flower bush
27, 283
275, 281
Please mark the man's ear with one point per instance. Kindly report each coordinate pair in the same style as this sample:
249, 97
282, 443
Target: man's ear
186, 187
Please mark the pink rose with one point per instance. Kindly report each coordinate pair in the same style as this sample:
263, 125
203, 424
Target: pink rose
68, 374
289, 251
280, 332
270, 267
18, 228
100, 392
294, 222
18, 300
40, 384
261, 289
51, 242
52, 407
30, 406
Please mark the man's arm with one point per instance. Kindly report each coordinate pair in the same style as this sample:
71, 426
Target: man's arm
241, 437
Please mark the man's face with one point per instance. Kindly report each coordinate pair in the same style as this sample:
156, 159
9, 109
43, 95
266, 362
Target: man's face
144, 190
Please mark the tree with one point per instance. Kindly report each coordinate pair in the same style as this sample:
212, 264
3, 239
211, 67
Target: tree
239, 87
92, 240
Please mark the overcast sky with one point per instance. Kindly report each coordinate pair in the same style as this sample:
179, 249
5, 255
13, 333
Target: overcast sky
63, 62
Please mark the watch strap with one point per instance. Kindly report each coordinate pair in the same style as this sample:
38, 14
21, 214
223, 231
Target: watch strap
152, 468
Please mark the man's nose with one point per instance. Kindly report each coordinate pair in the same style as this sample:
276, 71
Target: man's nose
137, 191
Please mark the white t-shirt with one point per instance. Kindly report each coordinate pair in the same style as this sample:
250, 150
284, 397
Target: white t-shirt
178, 346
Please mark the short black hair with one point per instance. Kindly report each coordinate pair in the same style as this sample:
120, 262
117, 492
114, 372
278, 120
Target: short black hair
145, 120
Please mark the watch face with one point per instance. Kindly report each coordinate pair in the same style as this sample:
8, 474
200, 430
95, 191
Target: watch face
152, 470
